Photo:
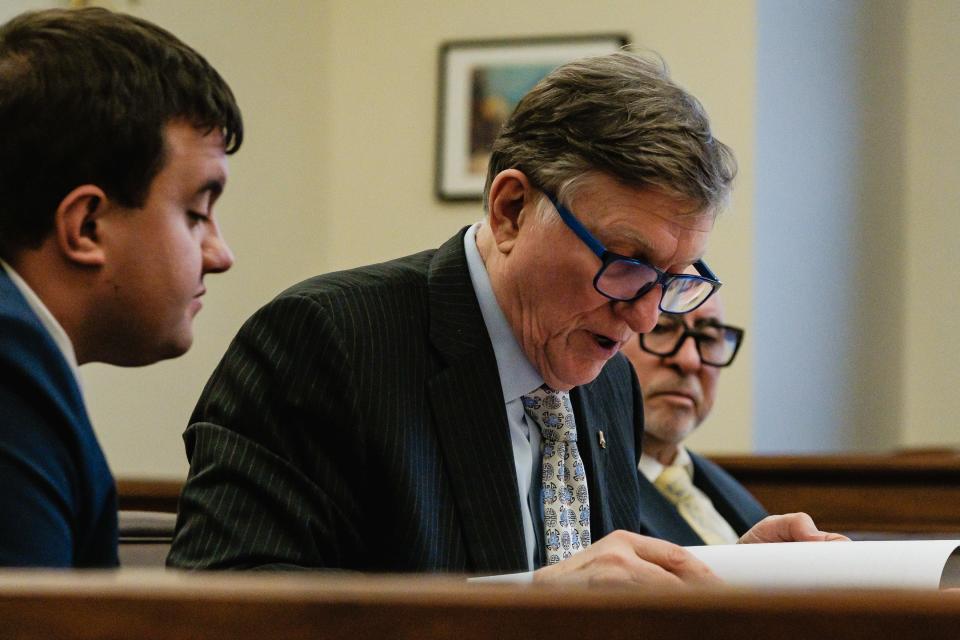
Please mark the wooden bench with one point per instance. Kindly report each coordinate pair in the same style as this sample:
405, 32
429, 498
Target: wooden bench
161, 605
915, 493
907, 493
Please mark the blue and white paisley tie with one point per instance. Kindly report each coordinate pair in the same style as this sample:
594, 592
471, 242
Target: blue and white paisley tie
566, 502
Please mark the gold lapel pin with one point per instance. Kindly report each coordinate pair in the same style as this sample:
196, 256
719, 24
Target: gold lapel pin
603, 441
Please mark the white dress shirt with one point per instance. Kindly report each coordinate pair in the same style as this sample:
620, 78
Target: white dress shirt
59, 336
517, 377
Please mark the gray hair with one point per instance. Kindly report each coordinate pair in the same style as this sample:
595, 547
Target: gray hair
618, 114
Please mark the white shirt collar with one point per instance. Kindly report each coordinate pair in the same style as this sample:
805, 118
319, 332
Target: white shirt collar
651, 468
60, 337
517, 375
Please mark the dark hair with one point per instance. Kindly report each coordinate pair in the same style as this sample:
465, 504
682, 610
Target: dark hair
85, 95
618, 114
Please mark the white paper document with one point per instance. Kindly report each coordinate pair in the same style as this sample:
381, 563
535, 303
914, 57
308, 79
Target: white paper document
887, 564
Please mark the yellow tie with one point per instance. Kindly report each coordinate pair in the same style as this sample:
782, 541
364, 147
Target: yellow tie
677, 486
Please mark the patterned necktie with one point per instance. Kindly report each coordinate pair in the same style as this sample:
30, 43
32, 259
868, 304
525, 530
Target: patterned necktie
566, 503
696, 508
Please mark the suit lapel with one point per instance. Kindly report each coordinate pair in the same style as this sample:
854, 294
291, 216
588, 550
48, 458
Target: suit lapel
725, 504
616, 506
471, 418
28, 345
589, 422
660, 518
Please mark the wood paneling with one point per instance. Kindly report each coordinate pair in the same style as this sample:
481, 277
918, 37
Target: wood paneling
144, 494
174, 606
908, 493
918, 492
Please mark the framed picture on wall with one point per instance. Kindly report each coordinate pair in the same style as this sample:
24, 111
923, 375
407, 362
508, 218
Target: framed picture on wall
481, 82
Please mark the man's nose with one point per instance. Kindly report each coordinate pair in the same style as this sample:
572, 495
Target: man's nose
217, 256
641, 314
687, 358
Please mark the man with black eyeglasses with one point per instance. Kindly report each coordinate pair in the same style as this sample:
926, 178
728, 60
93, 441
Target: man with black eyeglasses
466, 409
685, 498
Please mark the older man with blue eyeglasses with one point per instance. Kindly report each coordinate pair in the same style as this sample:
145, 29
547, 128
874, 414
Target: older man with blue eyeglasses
466, 409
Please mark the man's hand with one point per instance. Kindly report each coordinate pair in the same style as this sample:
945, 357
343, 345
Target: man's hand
789, 527
628, 558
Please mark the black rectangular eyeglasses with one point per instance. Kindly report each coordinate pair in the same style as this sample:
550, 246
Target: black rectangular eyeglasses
717, 343
625, 279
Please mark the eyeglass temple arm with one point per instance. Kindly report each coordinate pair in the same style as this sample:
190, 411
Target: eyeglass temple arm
600, 250
578, 228
705, 271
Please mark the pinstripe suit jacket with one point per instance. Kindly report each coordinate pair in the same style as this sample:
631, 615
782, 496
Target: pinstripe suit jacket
357, 422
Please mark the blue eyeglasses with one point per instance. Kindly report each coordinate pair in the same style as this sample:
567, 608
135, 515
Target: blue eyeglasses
626, 279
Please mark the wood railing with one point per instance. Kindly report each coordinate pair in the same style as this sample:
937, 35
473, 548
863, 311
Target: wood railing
901, 493
160, 605
914, 493
144, 494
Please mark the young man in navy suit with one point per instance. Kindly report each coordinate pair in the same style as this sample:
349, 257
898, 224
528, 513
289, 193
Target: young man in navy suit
678, 364
114, 143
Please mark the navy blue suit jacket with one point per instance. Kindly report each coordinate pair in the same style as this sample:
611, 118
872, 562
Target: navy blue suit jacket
660, 518
57, 497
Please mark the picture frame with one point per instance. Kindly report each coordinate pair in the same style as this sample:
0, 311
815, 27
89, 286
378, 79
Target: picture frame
480, 83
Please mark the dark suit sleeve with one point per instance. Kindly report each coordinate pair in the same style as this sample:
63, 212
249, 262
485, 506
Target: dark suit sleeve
276, 458
36, 482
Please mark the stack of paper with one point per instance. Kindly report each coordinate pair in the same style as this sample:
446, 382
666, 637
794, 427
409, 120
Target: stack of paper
896, 564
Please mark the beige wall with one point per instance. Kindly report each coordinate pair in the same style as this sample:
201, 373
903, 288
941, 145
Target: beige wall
274, 212
339, 100
931, 372
380, 134
337, 170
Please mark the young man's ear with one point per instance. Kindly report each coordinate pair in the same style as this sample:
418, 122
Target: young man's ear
509, 206
77, 225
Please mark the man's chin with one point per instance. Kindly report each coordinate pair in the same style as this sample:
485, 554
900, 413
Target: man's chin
168, 350
668, 427
566, 380
177, 348
669, 436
